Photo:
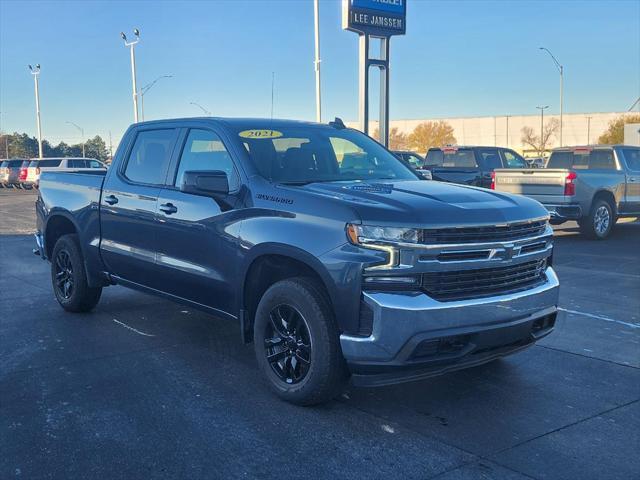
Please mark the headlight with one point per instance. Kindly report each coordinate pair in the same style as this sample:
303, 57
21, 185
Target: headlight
365, 234
382, 238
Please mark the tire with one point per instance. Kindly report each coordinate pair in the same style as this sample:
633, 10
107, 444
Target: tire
27, 187
313, 336
68, 277
599, 223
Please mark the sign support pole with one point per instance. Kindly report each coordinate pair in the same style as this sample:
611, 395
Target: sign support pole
364, 65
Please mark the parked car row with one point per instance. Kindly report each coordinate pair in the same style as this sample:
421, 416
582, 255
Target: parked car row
594, 185
25, 174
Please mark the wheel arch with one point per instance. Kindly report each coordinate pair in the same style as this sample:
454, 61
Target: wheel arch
271, 263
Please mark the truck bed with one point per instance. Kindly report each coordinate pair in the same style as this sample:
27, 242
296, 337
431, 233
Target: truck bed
531, 181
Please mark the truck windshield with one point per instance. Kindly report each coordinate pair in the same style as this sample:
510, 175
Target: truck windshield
299, 155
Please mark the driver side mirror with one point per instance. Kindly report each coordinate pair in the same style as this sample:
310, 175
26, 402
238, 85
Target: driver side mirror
205, 182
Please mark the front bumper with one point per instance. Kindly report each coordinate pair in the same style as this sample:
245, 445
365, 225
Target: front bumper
414, 336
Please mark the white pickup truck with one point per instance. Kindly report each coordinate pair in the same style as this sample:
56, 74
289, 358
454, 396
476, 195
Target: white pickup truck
594, 185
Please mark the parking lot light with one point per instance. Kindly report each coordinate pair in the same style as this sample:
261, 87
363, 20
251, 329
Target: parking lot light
561, 70
35, 71
131, 46
81, 133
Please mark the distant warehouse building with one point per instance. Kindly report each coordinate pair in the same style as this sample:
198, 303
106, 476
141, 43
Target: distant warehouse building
506, 130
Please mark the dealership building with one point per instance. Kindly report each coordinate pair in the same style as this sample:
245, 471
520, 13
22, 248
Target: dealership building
506, 130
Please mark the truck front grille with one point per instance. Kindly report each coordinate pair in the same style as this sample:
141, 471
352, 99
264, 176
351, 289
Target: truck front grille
493, 233
484, 282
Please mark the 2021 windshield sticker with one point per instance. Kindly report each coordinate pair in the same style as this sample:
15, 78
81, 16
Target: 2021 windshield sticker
260, 134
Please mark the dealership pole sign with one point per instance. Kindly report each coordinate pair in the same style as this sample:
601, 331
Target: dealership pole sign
378, 19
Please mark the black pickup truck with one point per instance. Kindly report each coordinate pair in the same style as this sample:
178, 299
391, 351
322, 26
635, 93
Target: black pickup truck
470, 165
334, 257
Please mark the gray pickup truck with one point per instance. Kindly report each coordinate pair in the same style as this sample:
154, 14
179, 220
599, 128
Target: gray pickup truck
594, 185
333, 256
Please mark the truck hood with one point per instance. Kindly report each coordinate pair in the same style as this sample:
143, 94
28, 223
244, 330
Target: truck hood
423, 203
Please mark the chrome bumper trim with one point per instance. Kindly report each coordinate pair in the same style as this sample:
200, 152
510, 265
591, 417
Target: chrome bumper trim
399, 316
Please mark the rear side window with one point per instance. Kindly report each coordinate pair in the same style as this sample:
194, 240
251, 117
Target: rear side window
14, 163
75, 163
204, 150
489, 158
149, 158
49, 163
94, 164
632, 157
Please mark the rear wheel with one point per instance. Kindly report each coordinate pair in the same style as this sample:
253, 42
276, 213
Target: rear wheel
68, 277
599, 223
297, 344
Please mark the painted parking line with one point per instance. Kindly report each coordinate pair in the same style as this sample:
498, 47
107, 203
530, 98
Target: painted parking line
600, 317
133, 329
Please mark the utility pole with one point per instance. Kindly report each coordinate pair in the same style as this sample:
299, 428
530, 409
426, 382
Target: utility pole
561, 70
36, 73
542, 141
110, 146
131, 46
81, 133
316, 15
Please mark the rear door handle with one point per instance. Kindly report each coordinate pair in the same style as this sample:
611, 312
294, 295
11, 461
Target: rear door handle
168, 208
111, 199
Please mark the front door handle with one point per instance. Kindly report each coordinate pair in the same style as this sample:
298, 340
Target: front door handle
111, 199
168, 208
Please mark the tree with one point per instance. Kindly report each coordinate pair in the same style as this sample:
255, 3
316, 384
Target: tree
431, 134
530, 138
96, 148
615, 132
397, 139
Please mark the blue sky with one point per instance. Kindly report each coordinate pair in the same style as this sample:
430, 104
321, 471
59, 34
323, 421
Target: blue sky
459, 58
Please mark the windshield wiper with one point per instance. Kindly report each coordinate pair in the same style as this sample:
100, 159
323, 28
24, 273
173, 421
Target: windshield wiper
298, 182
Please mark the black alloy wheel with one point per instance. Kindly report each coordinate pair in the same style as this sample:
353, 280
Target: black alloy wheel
287, 344
64, 282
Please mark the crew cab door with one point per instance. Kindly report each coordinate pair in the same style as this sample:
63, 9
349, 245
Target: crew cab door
197, 235
632, 178
128, 206
488, 160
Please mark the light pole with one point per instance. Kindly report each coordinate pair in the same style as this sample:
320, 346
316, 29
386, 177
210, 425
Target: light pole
131, 46
81, 133
589, 130
145, 89
542, 141
316, 15
36, 73
206, 112
561, 70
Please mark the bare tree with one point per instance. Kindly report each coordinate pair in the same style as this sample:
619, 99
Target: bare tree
530, 138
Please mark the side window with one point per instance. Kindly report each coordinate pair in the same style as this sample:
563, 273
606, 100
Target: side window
602, 159
632, 157
513, 160
94, 164
75, 163
489, 159
149, 157
203, 150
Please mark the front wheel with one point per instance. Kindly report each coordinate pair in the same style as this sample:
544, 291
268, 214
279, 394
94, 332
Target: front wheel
297, 343
69, 278
599, 223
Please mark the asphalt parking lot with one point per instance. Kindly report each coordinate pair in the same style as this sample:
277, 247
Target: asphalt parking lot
144, 388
